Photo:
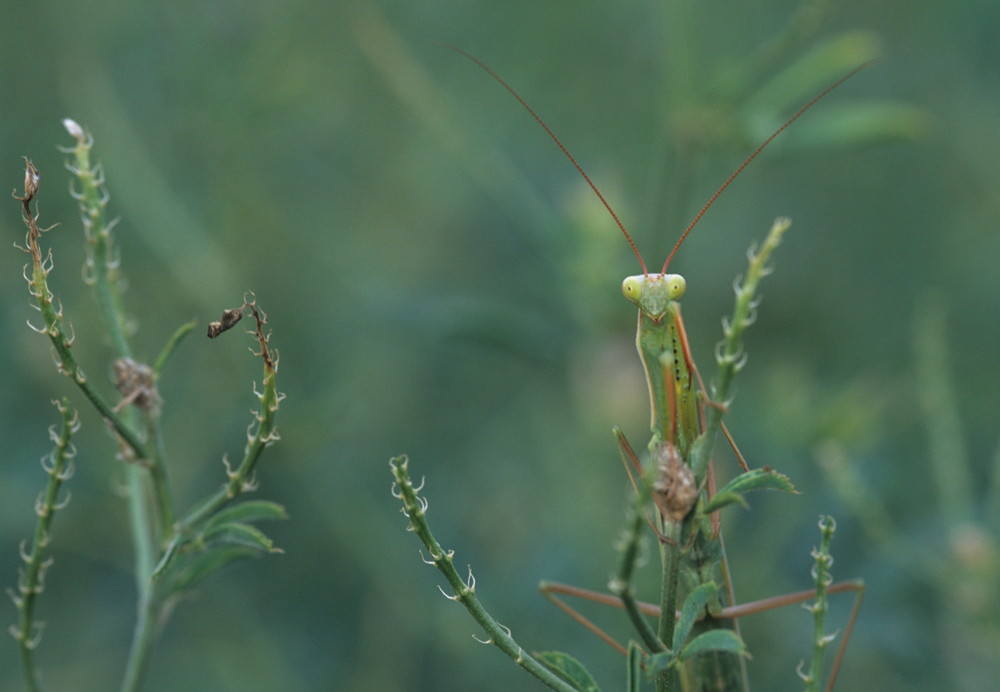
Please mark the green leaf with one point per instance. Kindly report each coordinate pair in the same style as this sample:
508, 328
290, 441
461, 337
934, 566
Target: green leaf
714, 640
569, 669
240, 534
692, 609
755, 479
634, 669
248, 512
720, 500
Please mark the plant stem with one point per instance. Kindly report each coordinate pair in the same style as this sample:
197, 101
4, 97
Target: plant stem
671, 556
142, 639
621, 585
53, 323
59, 469
822, 578
242, 479
148, 490
464, 590
729, 354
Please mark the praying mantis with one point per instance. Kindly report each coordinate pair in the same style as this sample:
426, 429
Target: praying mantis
696, 645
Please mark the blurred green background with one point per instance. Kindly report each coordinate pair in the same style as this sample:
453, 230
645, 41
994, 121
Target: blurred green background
440, 283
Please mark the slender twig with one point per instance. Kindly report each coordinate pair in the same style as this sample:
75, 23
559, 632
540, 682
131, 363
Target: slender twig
59, 467
146, 474
168, 349
103, 262
822, 579
261, 433
463, 589
729, 353
53, 324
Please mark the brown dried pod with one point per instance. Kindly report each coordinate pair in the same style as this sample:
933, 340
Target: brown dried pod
228, 321
137, 385
675, 489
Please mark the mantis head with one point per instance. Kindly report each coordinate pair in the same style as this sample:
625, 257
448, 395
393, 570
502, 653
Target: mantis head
652, 293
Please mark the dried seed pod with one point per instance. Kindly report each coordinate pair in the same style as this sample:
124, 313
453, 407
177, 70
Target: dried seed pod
675, 489
136, 384
228, 321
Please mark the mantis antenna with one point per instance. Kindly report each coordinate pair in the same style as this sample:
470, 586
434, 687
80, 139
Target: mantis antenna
746, 162
531, 111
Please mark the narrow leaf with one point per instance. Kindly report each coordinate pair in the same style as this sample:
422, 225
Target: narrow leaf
714, 640
755, 479
248, 512
692, 609
240, 534
720, 500
569, 669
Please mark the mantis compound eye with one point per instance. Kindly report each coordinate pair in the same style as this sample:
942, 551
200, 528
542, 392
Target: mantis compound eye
675, 286
632, 288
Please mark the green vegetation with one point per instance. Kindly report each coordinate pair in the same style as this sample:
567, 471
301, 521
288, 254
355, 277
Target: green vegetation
442, 284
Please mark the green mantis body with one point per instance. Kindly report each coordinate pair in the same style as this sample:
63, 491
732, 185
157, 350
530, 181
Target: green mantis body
676, 421
663, 348
690, 550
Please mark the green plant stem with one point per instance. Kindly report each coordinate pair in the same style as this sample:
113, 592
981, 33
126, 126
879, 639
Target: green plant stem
822, 579
101, 260
154, 432
621, 585
142, 640
31, 581
162, 497
62, 343
464, 590
241, 480
729, 354
148, 488
670, 554
141, 526
52, 318
172, 343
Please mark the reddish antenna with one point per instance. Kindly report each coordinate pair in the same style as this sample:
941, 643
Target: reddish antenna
600, 196
746, 162
555, 139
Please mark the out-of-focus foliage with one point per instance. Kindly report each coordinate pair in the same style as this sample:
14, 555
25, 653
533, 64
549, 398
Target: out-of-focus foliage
440, 283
